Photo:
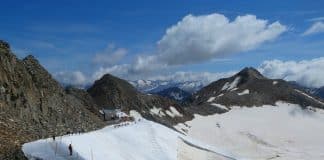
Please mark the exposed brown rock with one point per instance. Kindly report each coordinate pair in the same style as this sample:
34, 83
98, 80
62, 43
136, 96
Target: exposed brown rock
33, 105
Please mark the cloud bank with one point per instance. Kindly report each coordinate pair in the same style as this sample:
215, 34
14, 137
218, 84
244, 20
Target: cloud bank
75, 78
306, 72
109, 56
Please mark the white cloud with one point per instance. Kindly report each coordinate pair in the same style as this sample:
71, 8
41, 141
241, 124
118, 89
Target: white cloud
317, 27
316, 19
306, 72
76, 78
197, 39
110, 55
204, 77
179, 76
42, 44
117, 70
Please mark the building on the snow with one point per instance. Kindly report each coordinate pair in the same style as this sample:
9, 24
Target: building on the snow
113, 114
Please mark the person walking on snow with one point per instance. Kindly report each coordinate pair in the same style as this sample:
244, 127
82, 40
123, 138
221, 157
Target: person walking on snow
70, 149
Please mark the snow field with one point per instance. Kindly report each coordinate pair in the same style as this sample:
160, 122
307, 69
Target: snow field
141, 140
281, 132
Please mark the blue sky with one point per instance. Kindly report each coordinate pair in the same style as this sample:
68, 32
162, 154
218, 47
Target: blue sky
66, 35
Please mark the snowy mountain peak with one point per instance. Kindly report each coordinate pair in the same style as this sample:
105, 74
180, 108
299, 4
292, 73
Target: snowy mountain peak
250, 73
249, 88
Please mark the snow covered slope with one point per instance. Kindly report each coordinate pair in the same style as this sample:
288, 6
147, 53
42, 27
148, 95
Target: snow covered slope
248, 88
281, 132
143, 140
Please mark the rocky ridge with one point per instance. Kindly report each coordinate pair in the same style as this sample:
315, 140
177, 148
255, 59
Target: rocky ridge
33, 105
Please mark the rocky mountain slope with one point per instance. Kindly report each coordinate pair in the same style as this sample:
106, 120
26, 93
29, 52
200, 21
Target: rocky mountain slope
174, 93
111, 92
248, 88
33, 105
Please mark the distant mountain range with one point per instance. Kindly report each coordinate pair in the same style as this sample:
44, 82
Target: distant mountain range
154, 86
174, 93
164, 87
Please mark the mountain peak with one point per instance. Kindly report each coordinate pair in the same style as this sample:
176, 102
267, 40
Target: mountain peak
108, 76
114, 82
4, 44
250, 88
30, 58
250, 72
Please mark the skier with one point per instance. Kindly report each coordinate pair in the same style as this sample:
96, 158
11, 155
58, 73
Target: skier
53, 138
70, 149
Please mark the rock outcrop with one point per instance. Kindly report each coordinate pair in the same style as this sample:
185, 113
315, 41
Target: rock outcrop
33, 105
